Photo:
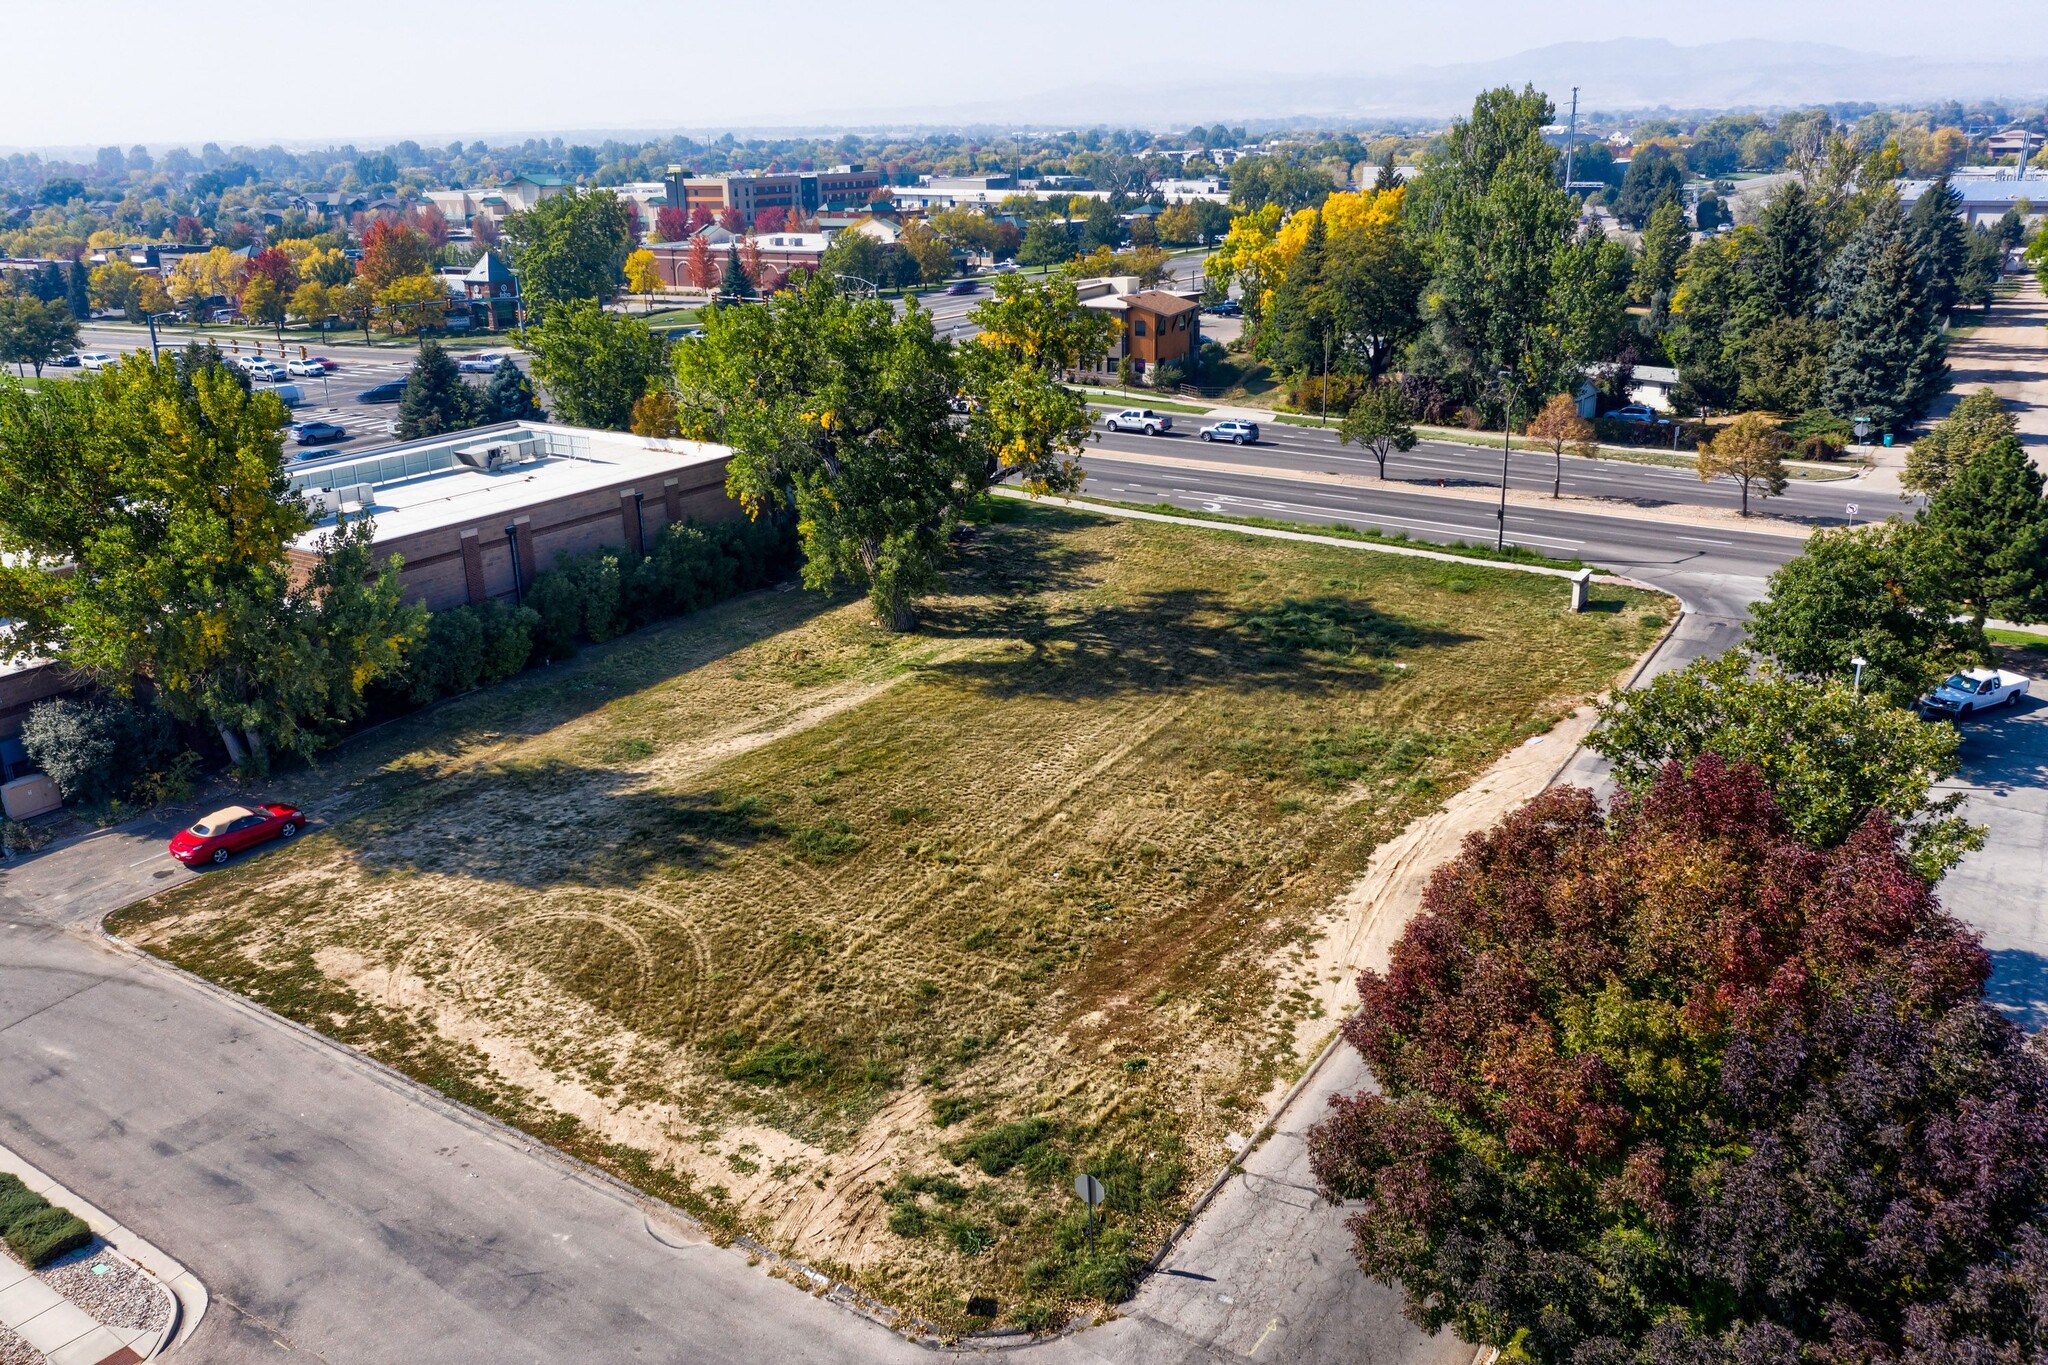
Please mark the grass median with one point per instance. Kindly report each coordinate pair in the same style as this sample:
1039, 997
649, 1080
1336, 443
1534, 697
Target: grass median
866, 944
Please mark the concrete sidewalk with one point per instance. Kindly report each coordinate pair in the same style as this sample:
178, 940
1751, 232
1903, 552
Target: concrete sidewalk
2008, 354
68, 1334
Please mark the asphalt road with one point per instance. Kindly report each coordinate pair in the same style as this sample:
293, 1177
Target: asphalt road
1284, 448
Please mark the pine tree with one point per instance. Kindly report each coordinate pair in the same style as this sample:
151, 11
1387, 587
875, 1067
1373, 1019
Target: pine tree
1388, 178
509, 396
1300, 329
735, 283
436, 400
1887, 361
1985, 536
1941, 243
1791, 244
76, 296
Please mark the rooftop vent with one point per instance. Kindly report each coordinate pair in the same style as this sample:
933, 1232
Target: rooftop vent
499, 454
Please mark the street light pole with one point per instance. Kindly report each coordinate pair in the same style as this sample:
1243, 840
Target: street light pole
1859, 661
1507, 426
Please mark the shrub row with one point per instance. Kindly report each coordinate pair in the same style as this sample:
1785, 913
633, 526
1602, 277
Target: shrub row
103, 750
592, 598
37, 1231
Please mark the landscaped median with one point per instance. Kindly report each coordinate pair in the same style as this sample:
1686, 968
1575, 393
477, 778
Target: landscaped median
864, 945
67, 1296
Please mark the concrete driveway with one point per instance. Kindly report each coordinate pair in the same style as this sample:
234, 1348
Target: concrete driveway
2000, 889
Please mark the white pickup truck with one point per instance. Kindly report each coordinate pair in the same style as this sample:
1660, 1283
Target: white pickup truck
1977, 689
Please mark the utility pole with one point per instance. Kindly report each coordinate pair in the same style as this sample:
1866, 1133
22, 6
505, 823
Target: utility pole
1571, 138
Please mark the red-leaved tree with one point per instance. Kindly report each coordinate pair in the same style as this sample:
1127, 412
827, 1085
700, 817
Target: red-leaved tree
671, 223
1664, 1084
703, 270
770, 220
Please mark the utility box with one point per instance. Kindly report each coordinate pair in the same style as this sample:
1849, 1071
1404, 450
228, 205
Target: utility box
1582, 589
29, 796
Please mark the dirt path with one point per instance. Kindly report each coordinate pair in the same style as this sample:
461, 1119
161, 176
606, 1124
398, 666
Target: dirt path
2009, 353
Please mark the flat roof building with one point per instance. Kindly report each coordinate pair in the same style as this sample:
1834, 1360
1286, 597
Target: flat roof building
1986, 200
479, 514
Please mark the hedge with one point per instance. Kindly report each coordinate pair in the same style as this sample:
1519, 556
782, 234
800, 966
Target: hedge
37, 1231
591, 598
99, 750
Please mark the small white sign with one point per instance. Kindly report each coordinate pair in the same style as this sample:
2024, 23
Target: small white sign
1852, 509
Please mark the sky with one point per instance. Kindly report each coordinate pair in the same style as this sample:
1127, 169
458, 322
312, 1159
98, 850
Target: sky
374, 70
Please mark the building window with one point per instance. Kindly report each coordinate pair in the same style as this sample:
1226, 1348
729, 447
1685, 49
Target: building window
1138, 327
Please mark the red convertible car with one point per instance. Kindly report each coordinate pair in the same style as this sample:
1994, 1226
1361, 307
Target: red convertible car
217, 837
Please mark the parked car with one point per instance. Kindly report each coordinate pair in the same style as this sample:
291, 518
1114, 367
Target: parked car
220, 836
1141, 420
261, 367
1637, 412
388, 392
1977, 689
317, 433
485, 362
1238, 433
96, 360
1229, 308
311, 368
291, 395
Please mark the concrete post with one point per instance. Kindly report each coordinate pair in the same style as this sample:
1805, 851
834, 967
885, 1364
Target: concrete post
1582, 589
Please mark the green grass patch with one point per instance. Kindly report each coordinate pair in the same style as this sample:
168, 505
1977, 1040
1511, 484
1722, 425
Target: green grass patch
35, 1230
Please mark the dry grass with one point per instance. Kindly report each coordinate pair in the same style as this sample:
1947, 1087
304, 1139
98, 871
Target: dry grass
863, 943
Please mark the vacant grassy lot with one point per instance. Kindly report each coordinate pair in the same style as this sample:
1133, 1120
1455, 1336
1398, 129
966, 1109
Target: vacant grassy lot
865, 944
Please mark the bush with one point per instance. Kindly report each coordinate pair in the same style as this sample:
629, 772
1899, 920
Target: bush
1169, 375
35, 1230
468, 647
101, 750
996, 1150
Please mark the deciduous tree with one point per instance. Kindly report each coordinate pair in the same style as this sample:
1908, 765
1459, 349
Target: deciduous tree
594, 364
33, 332
1749, 450
1380, 421
571, 248
1032, 334
1557, 424
1978, 422
643, 274
392, 252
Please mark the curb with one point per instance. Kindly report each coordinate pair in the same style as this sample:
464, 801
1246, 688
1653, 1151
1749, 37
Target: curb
182, 1289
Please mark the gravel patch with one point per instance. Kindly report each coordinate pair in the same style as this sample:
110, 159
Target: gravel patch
109, 1288
15, 1351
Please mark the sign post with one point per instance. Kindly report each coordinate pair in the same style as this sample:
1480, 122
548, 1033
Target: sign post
1091, 1193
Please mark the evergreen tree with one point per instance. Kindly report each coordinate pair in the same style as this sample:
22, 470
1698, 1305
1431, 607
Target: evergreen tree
1664, 241
1941, 243
1301, 329
1886, 363
1985, 536
1976, 424
76, 295
436, 400
734, 283
509, 396
1791, 245
1387, 178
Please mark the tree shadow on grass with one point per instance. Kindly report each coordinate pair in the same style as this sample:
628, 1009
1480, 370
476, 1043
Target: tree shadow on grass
548, 823
1176, 638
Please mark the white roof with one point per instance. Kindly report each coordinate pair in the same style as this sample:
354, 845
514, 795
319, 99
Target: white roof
421, 485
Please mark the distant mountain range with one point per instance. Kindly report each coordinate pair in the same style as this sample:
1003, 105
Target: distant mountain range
1614, 76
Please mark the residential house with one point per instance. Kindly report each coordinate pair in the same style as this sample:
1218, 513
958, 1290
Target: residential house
1155, 327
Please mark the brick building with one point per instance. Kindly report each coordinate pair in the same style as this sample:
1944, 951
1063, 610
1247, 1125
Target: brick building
754, 192
479, 514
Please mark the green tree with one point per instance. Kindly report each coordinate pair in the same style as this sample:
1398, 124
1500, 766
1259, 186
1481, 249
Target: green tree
1302, 334
1664, 242
1941, 244
857, 256
1887, 361
594, 364
509, 396
1790, 249
1653, 178
1830, 758
735, 283
1256, 181
78, 291
264, 304
1031, 425
144, 521
1046, 242
1380, 421
436, 400
1860, 592
33, 332
1102, 227
1979, 421
840, 409
570, 248
1985, 536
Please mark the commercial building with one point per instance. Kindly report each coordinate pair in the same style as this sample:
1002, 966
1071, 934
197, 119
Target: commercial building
1986, 200
1156, 327
755, 192
492, 292
772, 256
463, 207
478, 514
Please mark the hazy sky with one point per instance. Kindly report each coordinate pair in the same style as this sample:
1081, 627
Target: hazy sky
122, 71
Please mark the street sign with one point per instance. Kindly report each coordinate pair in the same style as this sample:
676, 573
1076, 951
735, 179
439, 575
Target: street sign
1852, 509
1090, 1190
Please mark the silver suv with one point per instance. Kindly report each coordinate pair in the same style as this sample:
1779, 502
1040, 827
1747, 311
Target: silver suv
1234, 430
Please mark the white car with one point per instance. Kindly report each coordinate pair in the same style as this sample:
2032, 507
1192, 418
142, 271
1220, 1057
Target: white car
1141, 420
1974, 690
96, 360
306, 369
1234, 430
484, 362
267, 370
